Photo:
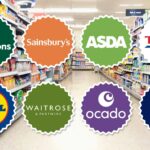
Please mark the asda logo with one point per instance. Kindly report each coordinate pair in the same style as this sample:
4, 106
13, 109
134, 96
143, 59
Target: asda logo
106, 42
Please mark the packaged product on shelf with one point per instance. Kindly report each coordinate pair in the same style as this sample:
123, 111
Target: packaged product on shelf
12, 63
8, 82
23, 66
5, 68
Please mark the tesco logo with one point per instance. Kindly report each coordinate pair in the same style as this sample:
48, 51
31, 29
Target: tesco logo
148, 41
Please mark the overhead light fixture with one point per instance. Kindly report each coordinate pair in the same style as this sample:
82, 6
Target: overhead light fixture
124, 18
67, 19
131, 5
77, 26
61, 10
119, 12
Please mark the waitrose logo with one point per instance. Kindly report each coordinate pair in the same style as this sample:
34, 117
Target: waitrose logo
49, 110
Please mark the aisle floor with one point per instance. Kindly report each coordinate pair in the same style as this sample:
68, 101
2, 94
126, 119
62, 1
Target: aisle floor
77, 136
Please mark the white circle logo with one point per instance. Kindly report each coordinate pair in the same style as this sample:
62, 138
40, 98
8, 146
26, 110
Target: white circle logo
106, 99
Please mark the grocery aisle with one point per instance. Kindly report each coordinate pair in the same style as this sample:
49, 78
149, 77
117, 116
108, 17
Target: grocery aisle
78, 136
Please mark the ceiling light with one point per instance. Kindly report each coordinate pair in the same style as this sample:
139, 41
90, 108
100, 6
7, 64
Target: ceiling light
131, 5
124, 18
119, 12
67, 19
77, 26
62, 10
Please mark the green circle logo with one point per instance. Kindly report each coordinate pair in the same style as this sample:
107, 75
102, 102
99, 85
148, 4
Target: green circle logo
106, 41
7, 41
48, 108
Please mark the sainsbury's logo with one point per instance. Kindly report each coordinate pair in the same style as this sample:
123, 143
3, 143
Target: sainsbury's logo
148, 41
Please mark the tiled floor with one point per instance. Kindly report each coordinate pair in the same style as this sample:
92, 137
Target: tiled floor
135, 136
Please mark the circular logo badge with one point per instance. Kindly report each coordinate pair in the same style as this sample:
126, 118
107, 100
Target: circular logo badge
48, 41
7, 41
144, 108
106, 108
7, 109
48, 108
106, 41
145, 41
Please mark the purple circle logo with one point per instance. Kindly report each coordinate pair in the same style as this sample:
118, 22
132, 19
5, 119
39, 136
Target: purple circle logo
106, 108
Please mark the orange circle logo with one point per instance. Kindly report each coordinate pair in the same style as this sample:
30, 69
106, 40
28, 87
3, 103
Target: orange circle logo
48, 41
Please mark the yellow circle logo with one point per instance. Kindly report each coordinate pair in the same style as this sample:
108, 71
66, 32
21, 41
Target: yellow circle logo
3, 108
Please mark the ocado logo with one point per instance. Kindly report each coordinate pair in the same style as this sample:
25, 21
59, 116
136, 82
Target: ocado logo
3, 108
106, 100
148, 41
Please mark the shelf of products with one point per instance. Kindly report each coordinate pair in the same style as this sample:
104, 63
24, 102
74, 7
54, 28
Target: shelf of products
134, 73
79, 62
11, 14
62, 71
19, 74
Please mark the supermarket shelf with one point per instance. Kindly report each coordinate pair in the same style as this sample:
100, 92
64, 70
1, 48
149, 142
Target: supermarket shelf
135, 68
61, 79
14, 56
43, 78
80, 60
20, 29
136, 56
23, 73
136, 80
145, 84
84, 69
22, 60
18, 114
108, 77
137, 28
23, 18
133, 93
145, 62
20, 87
8, 74
129, 63
49, 79
117, 72
10, 6
10, 21
35, 73
126, 79
34, 84
127, 70
148, 73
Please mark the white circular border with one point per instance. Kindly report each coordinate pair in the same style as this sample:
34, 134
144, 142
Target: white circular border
60, 20
61, 129
119, 61
140, 105
14, 111
14, 38
114, 131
